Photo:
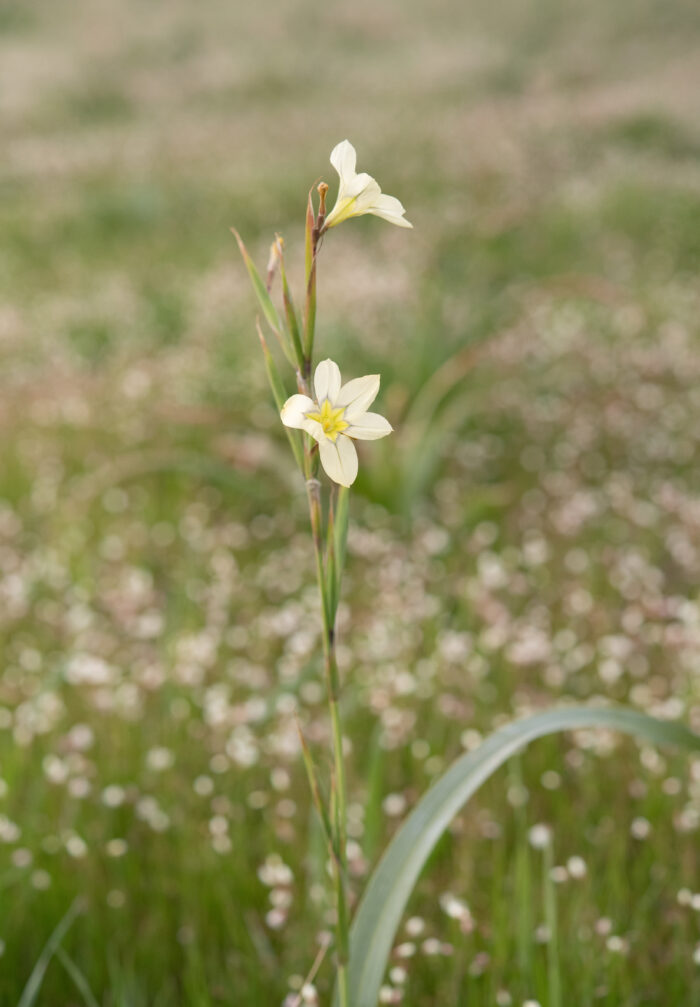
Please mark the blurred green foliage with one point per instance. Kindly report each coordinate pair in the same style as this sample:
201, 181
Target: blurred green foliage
536, 335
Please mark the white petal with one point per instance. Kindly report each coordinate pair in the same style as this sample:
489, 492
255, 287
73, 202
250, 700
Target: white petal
369, 427
327, 381
391, 209
293, 415
390, 204
294, 409
352, 187
399, 221
358, 395
341, 211
344, 159
366, 195
339, 460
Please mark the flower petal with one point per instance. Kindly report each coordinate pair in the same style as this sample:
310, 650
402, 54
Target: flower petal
327, 381
294, 409
339, 460
293, 415
366, 191
390, 208
358, 395
369, 427
344, 159
340, 212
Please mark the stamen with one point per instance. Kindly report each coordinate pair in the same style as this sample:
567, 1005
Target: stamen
331, 419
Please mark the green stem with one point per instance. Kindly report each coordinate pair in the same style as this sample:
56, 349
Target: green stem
550, 909
523, 885
313, 488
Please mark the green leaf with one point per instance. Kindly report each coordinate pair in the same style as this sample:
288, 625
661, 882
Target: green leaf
291, 314
331, 572
393, 880
316, 793
340, 531
36, 978
336, 539
279, 394
78, 978
268, 308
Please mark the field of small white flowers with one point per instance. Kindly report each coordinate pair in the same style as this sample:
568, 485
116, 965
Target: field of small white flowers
528, 536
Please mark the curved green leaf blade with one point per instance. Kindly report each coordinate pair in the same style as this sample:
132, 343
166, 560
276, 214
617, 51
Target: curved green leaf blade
392, 882
268, 308
36, 978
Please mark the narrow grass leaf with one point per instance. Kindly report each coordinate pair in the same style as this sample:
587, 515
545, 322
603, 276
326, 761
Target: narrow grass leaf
316, 792
291, 315
78, 978
394, 879
31, 990
279, 394
268, 308
340, 533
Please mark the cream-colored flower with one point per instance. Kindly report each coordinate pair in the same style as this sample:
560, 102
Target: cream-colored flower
358, 194
337, 414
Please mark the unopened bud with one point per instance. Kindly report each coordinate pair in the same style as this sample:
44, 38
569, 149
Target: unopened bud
274, 259
322, 189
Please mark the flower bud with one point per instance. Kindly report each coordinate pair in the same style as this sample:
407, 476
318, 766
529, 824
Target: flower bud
274, 259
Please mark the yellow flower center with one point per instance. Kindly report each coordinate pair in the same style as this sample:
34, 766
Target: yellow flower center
330, 419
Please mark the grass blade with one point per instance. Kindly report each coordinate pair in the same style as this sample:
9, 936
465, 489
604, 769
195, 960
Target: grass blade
31, 990
78, 978
279, 394
290, 312
316, 793
392, 882
340, 531
265, 301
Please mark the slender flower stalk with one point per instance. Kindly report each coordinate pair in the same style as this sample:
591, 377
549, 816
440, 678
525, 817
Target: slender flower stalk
311, 241
322, 423
332, 677
550, 909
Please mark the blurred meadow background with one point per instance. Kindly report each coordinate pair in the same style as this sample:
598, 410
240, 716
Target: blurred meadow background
530, 534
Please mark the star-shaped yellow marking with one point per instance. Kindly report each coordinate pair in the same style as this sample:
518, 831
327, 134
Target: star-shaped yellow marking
331, 420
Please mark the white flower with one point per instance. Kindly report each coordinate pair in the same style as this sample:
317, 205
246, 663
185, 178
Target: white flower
337, 414
358, 194
540, 837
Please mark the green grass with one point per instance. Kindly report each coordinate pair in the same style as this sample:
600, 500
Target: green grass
528, 535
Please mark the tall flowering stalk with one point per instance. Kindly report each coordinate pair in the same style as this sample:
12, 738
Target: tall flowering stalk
323, 419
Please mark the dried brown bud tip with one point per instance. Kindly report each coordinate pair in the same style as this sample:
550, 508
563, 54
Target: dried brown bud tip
322, 189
